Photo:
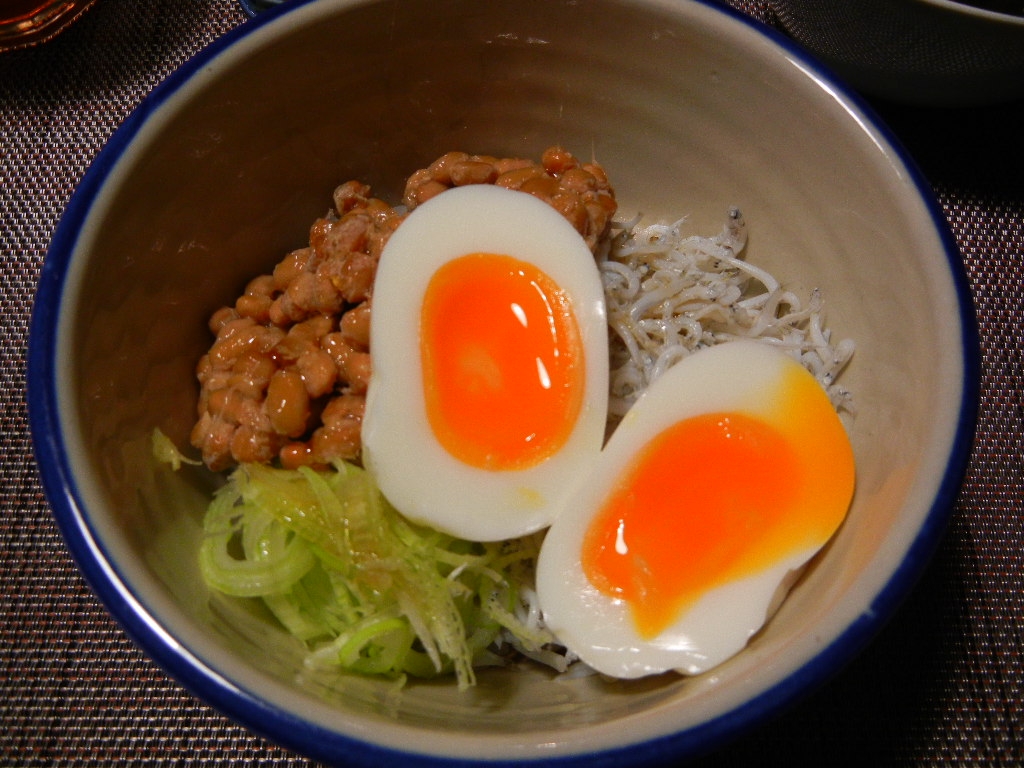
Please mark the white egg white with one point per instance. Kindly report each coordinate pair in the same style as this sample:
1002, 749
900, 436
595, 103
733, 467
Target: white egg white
736, 377
413, 470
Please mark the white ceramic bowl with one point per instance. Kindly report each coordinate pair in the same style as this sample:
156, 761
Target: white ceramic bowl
691, 109
927, 52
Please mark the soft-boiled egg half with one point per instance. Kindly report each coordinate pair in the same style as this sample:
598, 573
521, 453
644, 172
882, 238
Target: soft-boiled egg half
720, 483
488, 397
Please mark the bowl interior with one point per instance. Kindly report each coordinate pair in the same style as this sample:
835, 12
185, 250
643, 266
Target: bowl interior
690, 111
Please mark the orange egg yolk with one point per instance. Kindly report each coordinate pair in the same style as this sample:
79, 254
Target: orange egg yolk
503, 363
716, 498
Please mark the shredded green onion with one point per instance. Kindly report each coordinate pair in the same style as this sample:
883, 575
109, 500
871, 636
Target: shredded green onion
166, 451
368, 591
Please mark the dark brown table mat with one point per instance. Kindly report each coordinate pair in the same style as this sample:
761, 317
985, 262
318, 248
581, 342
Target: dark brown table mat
942, 685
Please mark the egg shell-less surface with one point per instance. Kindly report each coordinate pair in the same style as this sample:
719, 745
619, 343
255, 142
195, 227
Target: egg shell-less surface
743, 378
414, 471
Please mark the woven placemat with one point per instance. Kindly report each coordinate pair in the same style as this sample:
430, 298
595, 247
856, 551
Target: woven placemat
942, 685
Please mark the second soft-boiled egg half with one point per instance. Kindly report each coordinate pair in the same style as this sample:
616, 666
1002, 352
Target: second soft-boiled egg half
488, 397
722, 480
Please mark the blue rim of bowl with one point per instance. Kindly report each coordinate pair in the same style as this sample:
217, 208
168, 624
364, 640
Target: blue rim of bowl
253, 8
262, 717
